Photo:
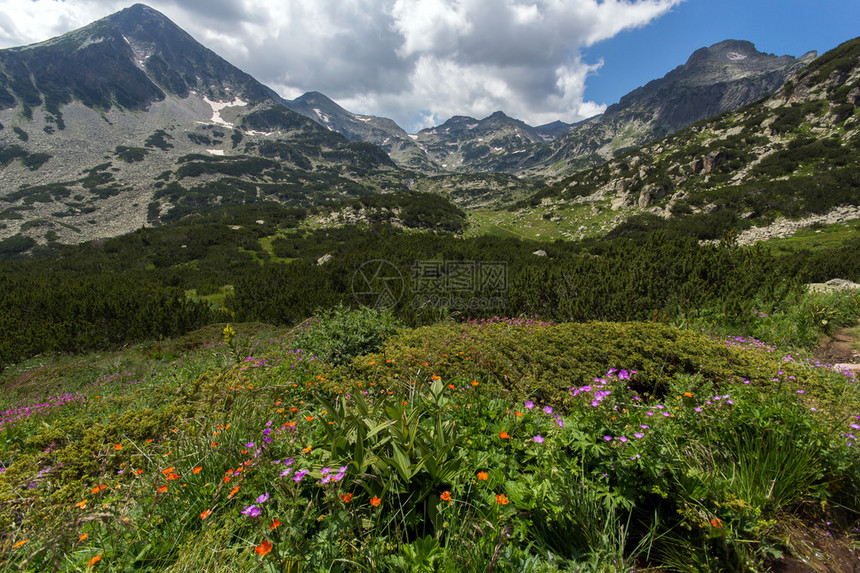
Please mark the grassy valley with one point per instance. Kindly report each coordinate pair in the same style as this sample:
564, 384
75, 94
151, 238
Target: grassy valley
255, 344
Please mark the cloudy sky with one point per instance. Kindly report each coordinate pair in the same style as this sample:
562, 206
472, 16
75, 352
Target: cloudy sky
421, 61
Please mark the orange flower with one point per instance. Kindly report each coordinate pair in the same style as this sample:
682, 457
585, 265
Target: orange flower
502, 499
483, 475
307, 449
518, 414
504, 435
264, 548
81, 504
346, 497
205, 514
293, 409
275, 524
688, 394
149, 441
98, 488
309, 418
434, 377
446, 496
375, 501
173, 476
83, 536
280, 410
197, 470
162, 489
94, 560
214, 444
474, 382
168, 470
233, 491
227, 478
20, 543
716, 522
138, 472
117, 446
451, 386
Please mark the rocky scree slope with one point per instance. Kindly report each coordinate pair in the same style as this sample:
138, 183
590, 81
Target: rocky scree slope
129, 122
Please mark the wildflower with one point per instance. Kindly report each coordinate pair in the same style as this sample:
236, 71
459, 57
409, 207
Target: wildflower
264, 548
346, 497
300, 475
168, 470
263, 498
196, 470
94, 560
83, 536
233, 492
688, 394
375, 501
547, 410
451, 386
117, 446
20, 543
474, 382
275, 525
538, 439
306, 450
607, 438
504, 435
251, 510
162, 488
138, 472
502, 499
173, 476
205, 514
227, 478
286, 472
446, 496
81, 504
214, 444
249, 445
638, 435
716, 522
483, 476
529, 404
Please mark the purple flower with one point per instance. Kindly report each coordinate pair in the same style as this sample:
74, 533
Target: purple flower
538, 439
622, 439
251, 510
263, 498
285, 473
638, 435
300, 475
249, 445
607, 438
547, 410
530, 404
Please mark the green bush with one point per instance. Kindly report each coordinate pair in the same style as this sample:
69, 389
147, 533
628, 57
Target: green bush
337, 335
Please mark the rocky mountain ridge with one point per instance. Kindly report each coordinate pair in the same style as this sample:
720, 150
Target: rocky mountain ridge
794, 154
129, 122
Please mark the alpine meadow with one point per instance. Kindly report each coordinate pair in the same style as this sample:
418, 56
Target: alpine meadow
242, 332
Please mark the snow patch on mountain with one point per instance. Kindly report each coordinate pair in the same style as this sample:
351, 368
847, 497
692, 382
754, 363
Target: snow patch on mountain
217, 106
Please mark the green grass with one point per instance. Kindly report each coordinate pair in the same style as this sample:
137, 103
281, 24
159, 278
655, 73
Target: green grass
531, 224
816, 238
509, 444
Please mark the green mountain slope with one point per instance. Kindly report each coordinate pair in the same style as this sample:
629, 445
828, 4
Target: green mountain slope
794, 154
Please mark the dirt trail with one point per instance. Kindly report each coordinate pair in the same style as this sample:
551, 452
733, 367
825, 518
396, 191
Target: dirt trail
842, 349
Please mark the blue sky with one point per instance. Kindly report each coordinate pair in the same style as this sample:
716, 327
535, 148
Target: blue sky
785, 27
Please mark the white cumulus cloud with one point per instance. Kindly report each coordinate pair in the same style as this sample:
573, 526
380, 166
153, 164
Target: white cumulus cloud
416, 61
